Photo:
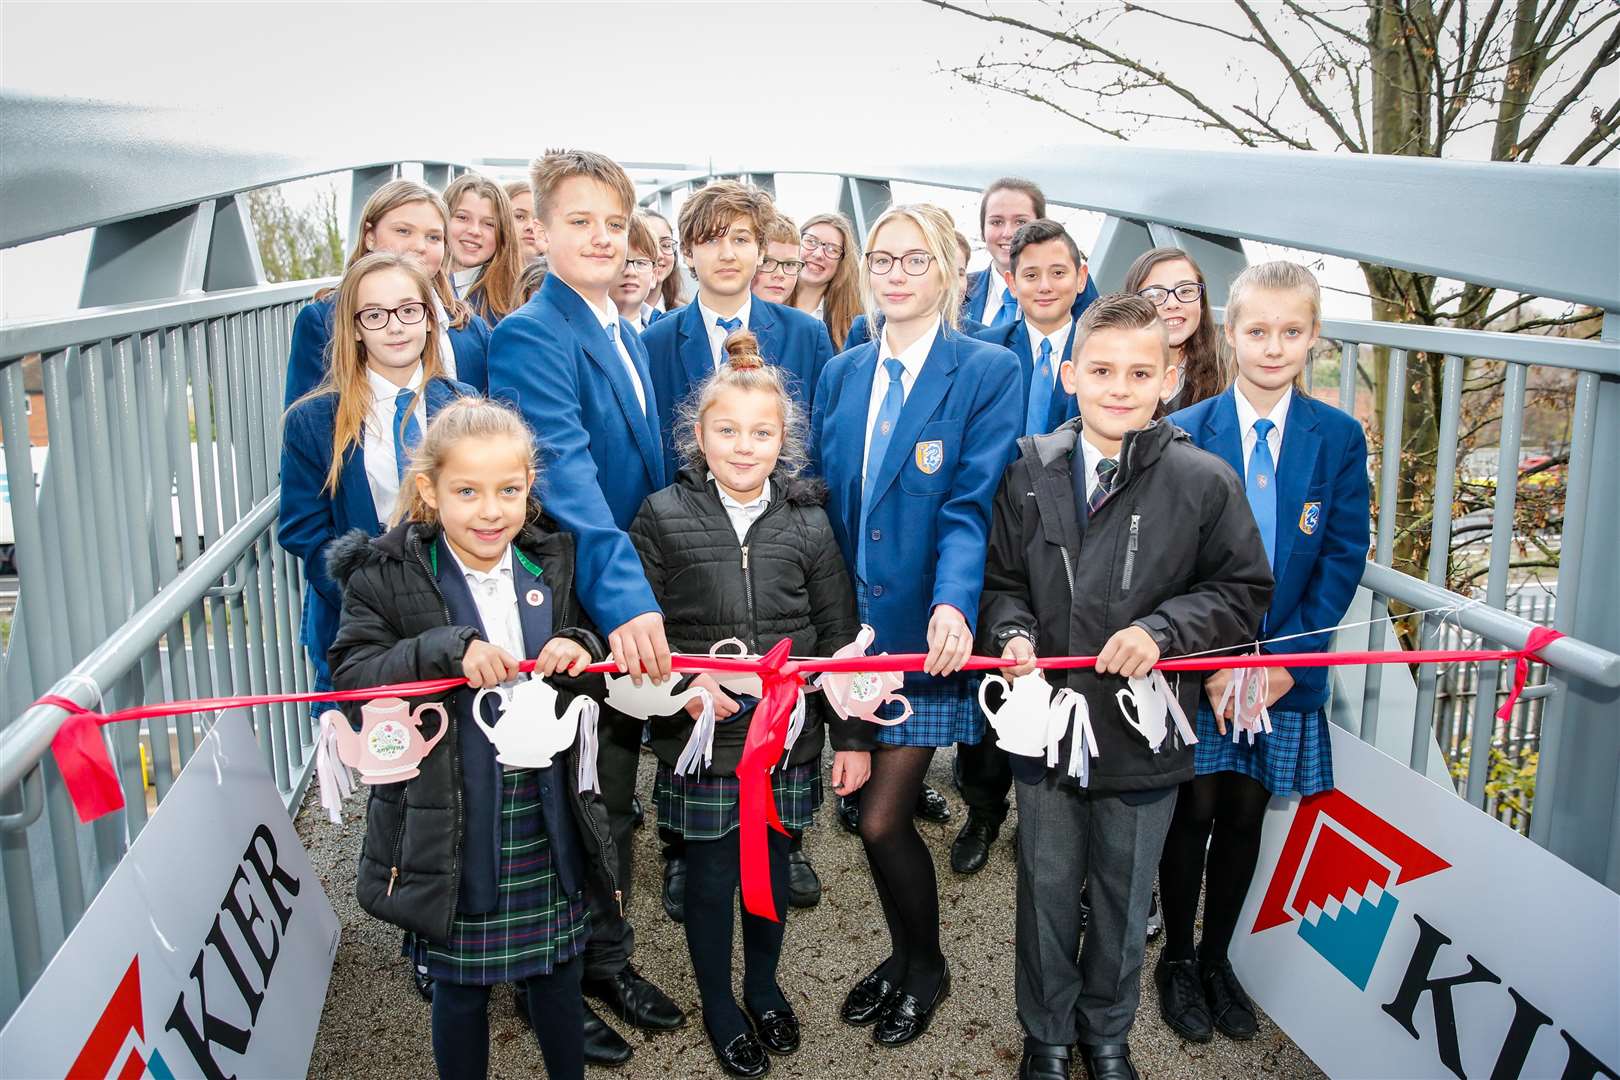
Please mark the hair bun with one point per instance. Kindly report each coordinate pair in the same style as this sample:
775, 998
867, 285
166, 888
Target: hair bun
742, 351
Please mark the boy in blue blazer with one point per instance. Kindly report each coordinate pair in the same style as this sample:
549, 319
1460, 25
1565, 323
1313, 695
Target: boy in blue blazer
722, 233
577, 372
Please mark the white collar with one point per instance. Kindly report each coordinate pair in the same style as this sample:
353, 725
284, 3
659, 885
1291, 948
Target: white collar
1248, 414
646, 310
1059, 339
1091, 455
608, 316
501, 572
727, 501
709, 316
384, 391
463, 278
915, 354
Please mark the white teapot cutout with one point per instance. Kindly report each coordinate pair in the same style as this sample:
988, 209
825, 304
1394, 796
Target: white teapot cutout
1023, 724
736, 682
1155, 706
530, 733
650, 699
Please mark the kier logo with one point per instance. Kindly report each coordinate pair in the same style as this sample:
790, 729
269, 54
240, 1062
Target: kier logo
110, 1035
1333, 879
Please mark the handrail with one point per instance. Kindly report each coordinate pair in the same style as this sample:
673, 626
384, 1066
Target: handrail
28, 739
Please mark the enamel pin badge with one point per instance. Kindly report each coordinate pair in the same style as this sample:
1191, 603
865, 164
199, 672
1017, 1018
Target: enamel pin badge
534, 598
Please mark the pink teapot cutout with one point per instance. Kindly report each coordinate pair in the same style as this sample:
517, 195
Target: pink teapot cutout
389, 745
857, 695
530, 732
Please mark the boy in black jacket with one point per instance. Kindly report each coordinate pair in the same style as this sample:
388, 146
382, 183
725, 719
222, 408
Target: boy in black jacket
1112, 536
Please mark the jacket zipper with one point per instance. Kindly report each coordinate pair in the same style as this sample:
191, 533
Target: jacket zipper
455, 759
1130, 552
748, 576
1068, 570
399, 840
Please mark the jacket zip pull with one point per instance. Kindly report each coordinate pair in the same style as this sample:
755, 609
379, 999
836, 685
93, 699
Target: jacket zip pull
393, 873
1130, 551
745, 557
618, 898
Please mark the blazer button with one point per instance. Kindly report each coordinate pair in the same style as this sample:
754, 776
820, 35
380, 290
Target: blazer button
545, 789
877, 534
877, 590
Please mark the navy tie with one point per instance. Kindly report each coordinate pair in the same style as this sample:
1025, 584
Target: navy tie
1261, 486
1009, 310
1106, 468
406, 434
894, 399
1040, 391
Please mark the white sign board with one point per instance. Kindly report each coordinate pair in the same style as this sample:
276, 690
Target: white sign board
1393, 930
207, 952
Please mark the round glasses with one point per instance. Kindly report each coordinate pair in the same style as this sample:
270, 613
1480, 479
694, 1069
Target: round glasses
914, 263
1187, 292
375, 318
642, 265
810, 245
790, 267
667, 245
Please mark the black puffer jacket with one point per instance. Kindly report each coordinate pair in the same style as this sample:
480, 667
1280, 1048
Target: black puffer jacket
395, 628
786, 579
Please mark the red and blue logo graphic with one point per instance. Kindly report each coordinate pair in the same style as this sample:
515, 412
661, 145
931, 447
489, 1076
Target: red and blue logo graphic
1333, 881
108, 1038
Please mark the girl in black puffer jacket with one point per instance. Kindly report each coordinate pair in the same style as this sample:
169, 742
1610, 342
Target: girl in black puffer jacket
485, 865
740, 547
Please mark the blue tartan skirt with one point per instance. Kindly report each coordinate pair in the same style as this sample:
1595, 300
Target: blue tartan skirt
535, 925
943, 711
1295, 759
704, 807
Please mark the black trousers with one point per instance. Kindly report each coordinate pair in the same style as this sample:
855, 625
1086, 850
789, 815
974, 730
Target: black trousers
613, 939
556, 1011
984, 776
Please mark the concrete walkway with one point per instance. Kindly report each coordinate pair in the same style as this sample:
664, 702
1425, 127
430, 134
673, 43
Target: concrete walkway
375, 1026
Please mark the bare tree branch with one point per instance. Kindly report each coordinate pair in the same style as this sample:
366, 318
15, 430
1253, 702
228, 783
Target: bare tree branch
1606, 55
1302, 85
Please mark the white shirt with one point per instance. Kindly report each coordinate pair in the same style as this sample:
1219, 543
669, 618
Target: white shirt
447, 352
742, 515
647, 312
1060, 341
1247, 415
377, 438
610, 318
717, 334
463, 280
994, 297
913, 358
1091, 456
497, 602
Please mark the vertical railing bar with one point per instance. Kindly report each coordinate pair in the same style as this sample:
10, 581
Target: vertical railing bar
1349, 358
190, 626
1391, 438
252, 368
270, 363
212, 628
160, 485
1445, 490
249, 603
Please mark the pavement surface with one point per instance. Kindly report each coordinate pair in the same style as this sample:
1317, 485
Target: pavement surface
375, 1026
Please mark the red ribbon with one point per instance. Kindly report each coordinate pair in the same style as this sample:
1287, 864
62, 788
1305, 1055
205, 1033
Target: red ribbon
762, 750
1533, 644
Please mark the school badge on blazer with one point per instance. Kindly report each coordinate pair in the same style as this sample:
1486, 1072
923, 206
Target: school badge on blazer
1310, 517
929, 455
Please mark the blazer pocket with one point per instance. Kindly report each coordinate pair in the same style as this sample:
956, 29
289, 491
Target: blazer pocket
931, 461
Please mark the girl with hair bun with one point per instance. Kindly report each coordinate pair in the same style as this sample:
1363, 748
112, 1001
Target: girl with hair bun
740, 547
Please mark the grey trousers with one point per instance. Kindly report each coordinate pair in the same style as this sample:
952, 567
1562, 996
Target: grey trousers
1068, 838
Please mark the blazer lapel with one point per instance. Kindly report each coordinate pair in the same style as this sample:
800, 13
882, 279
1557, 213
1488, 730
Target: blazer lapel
1221, 435
1059, 410
696, 355
358, 507
932, 385
763, 325
536, 618
850, 418
977, 291
602, 352
1299, 449
457, 597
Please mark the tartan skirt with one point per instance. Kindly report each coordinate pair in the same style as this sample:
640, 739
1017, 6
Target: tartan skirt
535, 925
1295, 759
704, 807
943, 711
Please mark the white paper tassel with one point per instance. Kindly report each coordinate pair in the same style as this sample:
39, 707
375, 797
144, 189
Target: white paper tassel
588, 718
336, 781
1179, 715
699, 748
1082, 743
795, 728
1247, 721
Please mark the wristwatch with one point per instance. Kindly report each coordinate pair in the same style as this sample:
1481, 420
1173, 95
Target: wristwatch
1007, 633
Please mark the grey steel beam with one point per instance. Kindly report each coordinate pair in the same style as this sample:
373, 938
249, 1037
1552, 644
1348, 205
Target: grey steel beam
233, 249
148, 258
863, 202
1221, 258
362, 186
1118, 244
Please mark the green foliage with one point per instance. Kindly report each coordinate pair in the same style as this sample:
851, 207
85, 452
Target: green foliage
1510, 787
296, 244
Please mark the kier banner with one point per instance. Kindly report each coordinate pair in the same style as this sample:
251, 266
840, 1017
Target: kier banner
1393, 930
208, 951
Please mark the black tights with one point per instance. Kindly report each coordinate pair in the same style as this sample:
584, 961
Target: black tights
712, 873
902, 868
556, 1012
1224, 811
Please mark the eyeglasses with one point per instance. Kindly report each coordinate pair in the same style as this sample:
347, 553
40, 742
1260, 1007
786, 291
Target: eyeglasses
1187, 292
810, 245
375, 318
638, 264
667, 245
914, 263
790, 267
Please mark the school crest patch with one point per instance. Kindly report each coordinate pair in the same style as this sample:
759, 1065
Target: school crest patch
1310, 517
930, 456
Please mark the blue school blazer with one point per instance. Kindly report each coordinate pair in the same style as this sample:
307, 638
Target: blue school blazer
311, 518
1323, 526
1014, 337
978, 293
312, 333
860, 333
553, 362
678, 353
929, 521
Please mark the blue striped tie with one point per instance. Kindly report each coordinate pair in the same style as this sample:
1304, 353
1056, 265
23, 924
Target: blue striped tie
1040, 392
1009, 309
894, 399
1261, 486
407, 434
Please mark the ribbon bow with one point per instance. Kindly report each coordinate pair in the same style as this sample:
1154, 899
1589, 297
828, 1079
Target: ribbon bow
756, 809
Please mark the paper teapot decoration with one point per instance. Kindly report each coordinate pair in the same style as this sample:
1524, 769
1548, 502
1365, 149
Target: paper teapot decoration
652, 699
1246, 693
1154, 706
529, 732
1031, 721
857, 695
736, 682
387, 749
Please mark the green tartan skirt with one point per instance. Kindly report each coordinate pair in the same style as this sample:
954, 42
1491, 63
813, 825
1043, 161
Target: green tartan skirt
704, 807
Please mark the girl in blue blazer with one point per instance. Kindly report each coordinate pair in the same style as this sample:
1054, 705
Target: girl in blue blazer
345, 444
409, 219
1304, 466
912, 433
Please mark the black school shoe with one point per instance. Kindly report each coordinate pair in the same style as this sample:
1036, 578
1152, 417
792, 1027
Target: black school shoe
907, 1019
423, 981
804, 885
868, 999
675, 888
1108, 1061
1228, 1003
636, 1001
1043, 1061
931, 805
638, 813
742, 1056
849, 814
1181, 999
603, 1045
971, 848
777, 1029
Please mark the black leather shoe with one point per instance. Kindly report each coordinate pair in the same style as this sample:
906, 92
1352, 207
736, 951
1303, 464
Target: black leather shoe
1108, 1061
423, 981
1155, 919
804, 887
908, 1018
1229, 1005
638, 814
867, 1000
931, 805
971, 848
603, 1045
742, 1056
849, 814
1043, 1061
675, 888
777, 1029
1181, 999
636, 1001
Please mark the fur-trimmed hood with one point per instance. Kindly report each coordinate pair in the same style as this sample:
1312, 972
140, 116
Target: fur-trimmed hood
356, 548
